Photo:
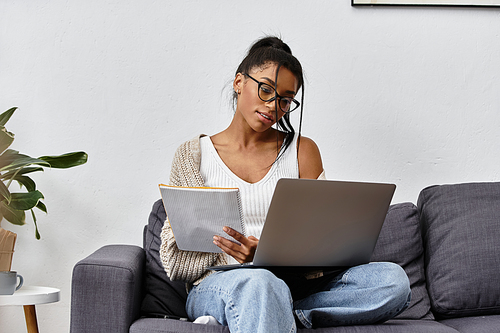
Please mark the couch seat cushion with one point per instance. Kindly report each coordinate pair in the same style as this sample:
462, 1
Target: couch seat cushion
149, 325
461, 229
481, 324
400, 242
156, 325
391, 326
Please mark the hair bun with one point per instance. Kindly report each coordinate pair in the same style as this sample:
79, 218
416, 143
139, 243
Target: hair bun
270, 41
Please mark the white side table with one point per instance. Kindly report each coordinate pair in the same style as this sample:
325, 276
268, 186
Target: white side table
28, 297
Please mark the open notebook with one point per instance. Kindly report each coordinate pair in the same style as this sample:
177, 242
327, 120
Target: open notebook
196, 214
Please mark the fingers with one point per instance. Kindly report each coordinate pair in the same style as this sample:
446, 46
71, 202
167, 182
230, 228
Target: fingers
236, 251
235, 234
243, 252
226, 245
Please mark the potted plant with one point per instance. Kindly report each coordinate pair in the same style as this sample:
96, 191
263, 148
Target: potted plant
15, 167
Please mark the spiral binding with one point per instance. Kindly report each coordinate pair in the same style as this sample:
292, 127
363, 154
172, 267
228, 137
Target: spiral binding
242, 217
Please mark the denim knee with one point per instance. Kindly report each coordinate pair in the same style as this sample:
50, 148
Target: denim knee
396, 283
246, 300
396, 278
261, 281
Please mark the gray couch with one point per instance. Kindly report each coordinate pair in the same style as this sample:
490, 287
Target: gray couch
449, 245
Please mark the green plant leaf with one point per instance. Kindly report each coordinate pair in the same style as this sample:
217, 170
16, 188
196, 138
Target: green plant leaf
4, 117
27, 182
68, 160
11, 160
4, 192
19, 172
40, 205
14, 216
6, 139
37, 234
25, 201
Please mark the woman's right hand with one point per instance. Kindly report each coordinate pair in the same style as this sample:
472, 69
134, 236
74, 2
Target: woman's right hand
242, 252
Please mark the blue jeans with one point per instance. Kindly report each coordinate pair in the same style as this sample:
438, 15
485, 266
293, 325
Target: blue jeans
255, 300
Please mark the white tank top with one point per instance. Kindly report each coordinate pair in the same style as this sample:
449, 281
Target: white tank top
255, 197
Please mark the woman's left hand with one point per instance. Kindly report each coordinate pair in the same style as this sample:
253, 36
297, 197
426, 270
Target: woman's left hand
242, 252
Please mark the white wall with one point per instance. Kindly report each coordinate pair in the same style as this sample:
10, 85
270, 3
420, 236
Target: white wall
404, 95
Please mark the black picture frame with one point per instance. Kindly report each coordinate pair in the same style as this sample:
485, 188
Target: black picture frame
450, 3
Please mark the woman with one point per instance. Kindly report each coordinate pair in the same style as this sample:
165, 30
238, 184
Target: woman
252, 155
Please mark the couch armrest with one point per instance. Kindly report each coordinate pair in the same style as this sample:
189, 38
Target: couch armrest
107, 289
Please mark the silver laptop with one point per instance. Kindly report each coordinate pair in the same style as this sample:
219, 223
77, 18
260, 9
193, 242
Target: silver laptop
321, 223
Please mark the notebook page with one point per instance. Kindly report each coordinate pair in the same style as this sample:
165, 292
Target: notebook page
196, 214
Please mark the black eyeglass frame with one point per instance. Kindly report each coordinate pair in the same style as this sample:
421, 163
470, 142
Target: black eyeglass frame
276, 95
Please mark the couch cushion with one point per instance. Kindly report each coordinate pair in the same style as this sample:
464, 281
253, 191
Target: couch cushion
481, 324
391, 326
461, 229
400, 242
149, 325
162, 296
154, 325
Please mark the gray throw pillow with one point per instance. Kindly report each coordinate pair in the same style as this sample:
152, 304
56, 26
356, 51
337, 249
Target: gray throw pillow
461, 228
400, 242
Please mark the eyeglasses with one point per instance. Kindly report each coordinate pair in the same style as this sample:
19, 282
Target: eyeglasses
267, 93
